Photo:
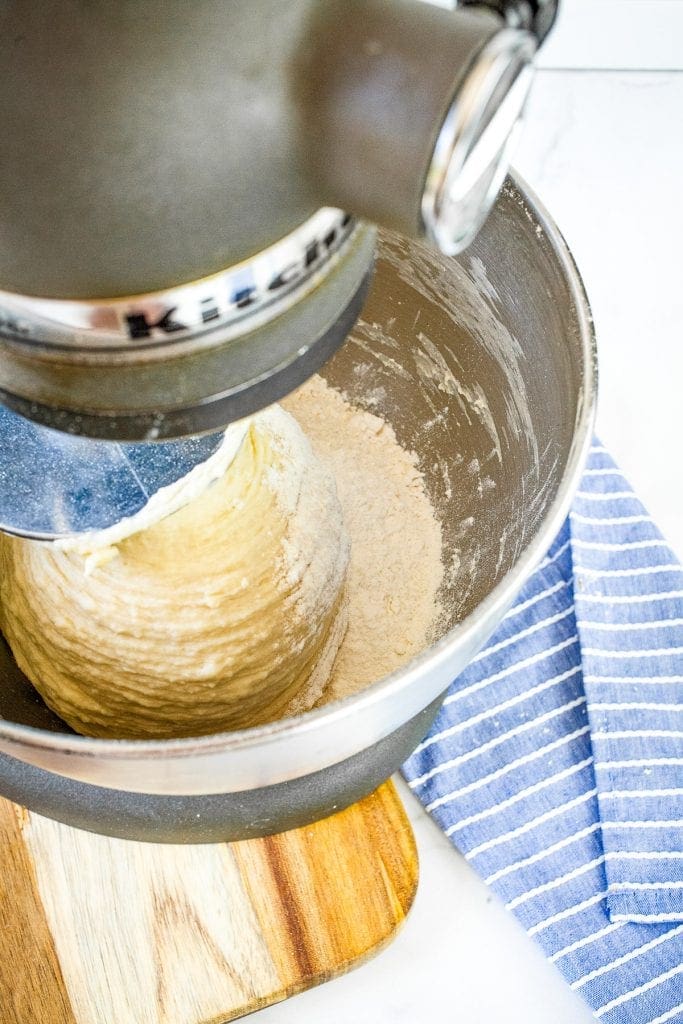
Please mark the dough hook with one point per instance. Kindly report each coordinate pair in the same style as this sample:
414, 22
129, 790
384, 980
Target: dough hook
53, 484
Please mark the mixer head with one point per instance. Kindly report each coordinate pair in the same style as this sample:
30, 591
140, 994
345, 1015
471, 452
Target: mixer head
188, 193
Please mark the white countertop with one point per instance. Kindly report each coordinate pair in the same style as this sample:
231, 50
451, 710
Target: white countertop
604, 151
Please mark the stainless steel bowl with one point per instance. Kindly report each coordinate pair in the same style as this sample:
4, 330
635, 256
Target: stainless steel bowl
485, 366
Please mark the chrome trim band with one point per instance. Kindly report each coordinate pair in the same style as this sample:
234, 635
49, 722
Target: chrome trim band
473, 148
229, 303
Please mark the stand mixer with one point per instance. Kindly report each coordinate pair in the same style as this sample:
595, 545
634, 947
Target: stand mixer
188, 194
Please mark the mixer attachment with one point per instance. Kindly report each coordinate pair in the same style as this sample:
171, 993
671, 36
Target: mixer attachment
54, 484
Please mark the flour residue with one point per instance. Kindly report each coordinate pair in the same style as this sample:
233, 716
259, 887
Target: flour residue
395, 570
481, 279
469, 301
433, 369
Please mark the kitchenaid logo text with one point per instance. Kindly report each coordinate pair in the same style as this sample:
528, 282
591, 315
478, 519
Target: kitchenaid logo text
240, 293
244, 289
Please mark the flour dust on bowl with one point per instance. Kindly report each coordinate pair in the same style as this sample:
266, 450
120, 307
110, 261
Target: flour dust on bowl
484, 366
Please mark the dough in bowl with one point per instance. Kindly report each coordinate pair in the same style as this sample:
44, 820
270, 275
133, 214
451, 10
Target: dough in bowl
220, 606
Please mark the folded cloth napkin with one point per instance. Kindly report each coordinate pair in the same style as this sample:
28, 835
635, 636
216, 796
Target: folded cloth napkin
556, 762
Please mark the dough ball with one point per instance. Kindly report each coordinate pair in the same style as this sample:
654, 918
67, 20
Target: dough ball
225, 613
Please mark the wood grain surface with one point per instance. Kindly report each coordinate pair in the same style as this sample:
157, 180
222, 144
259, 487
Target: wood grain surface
106, 931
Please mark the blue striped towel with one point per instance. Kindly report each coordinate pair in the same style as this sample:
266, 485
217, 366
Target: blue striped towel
556, 762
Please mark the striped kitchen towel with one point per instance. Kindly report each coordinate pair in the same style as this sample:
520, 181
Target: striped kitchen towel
556, 762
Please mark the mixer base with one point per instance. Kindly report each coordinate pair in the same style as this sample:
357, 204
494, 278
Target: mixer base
94, 928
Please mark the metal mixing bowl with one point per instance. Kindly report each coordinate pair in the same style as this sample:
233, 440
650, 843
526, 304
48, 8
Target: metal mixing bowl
485, 366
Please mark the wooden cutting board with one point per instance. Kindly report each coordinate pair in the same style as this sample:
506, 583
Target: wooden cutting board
106, 931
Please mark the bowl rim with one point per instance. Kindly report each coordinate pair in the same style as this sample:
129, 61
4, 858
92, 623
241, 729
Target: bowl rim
391, 686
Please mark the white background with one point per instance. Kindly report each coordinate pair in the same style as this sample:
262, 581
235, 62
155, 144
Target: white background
603, 148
